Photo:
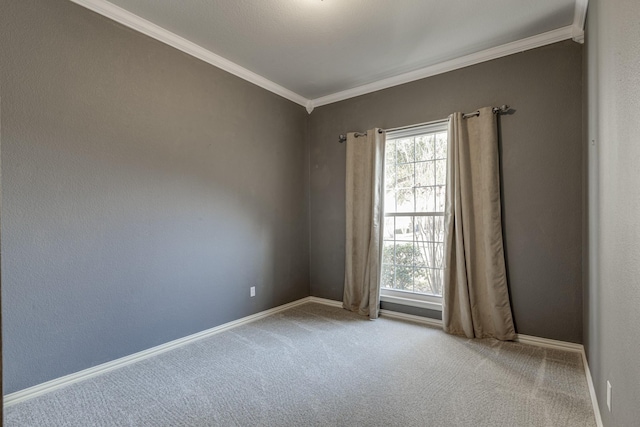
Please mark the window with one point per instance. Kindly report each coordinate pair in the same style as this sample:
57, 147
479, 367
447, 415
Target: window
413, 241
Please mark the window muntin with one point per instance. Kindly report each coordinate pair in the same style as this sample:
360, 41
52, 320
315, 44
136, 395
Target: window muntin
413, 240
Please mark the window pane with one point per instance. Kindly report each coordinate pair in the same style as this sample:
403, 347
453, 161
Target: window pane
441, 172
425, 147
390, 201
438, 229
390, 177
424, 229
441, 145
440, 198
425, 174
415, 179
422, 280
436, 282
389, 228
404, 175
390, 153
425, 199
423, 255
439, 255
404, 278
404, 150
405, 200
404, 228
404, 253
388, 252
387, 276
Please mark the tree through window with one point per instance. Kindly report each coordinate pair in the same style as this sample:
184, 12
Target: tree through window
415, 179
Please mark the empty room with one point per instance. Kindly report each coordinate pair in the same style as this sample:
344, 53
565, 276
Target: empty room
320, 213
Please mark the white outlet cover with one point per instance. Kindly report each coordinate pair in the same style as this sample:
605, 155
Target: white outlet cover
609, 395
252, 291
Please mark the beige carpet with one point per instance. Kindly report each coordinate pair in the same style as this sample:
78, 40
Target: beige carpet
322, 366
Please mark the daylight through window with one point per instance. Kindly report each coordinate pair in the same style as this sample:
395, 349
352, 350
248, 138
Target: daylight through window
415, 179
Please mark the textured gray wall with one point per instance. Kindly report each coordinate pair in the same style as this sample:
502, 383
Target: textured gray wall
612, 327
542, 174
144, 193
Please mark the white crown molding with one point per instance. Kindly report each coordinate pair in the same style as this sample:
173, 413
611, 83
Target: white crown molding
310, 106
154, 31
579, 17
528, 43
128, 19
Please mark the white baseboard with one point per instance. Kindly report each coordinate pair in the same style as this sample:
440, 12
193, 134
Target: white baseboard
330, 302
573, 347
549, 343
55, 384
592, 390
46, 387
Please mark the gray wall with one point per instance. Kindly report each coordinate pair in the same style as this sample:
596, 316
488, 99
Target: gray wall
542, 174
144, 193
612, 327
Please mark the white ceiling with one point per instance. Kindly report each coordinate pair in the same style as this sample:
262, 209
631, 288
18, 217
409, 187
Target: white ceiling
316, 48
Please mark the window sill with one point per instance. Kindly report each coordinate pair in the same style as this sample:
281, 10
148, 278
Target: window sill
436, 306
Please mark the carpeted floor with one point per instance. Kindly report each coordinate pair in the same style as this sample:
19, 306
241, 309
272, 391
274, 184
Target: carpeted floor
315, 365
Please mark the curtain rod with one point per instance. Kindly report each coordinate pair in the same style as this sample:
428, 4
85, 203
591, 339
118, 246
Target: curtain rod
496, 110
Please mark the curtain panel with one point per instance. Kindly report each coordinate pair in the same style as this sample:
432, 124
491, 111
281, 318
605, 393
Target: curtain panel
364, 219
475, 298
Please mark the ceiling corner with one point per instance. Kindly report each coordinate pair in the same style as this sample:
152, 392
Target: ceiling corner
580, 14
310, 106
517, 46
574, 31
577, 35
579, 18
128, 19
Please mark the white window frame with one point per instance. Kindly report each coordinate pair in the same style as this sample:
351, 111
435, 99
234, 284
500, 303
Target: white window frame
395, 296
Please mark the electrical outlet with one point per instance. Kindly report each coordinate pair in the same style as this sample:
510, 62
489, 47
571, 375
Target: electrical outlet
609, 395
252, 291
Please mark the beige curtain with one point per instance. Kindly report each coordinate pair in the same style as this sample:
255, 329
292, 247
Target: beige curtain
364, 189
476, 298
